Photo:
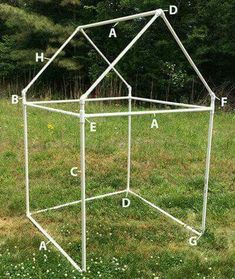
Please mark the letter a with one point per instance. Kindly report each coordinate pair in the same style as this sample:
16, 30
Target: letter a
112, 33
43, 246
154, 124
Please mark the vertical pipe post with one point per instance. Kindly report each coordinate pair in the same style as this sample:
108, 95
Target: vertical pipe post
129, 140
26, 152
83, 181
208, 157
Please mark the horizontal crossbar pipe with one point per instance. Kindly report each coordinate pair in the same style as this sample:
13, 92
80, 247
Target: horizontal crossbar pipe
120, 19
167, 214
79, 201
53, 110
166, 102
93, 115
51, 239
107, 99
78, 100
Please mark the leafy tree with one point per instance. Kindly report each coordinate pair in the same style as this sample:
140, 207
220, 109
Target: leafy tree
206, 29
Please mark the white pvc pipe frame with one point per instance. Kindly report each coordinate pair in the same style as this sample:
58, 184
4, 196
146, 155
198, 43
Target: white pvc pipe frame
82, 116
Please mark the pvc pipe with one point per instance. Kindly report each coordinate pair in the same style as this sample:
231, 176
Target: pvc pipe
61, 250
166, 102
93, 115
24, 91
107, 99
157, 14
187, 55
129, 142
207, 171
78, 100
167, 214
26, 154
120, 19
77, 202
53, 109
83, 181
102, 55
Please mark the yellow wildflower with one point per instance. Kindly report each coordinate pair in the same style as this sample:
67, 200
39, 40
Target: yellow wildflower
50, 126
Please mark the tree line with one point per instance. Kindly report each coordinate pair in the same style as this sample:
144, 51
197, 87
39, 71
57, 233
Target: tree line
155, 66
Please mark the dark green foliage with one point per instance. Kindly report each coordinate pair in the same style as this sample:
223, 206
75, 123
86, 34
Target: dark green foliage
154, 66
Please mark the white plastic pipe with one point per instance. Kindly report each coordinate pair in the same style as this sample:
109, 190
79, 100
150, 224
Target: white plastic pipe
146, 112
166, 213
53, 109
77, 202
207, 171
103, 56
94, 85
78, 100
120, 19
187, 55
166, 103
83, 181
24, 91
129, 142
26, 154
46, 234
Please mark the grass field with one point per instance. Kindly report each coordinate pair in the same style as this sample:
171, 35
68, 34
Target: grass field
135, 242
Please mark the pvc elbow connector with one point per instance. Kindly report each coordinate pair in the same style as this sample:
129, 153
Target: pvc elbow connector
160, 12
83, 98
23, 93
212, 94
129, 87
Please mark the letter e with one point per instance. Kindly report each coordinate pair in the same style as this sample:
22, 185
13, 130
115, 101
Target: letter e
93, 127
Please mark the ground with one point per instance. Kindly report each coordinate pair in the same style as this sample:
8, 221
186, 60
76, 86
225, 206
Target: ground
135, 242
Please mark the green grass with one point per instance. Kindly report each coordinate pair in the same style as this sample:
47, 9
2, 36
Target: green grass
137, 242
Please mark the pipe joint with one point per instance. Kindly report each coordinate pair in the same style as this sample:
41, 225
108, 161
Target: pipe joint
160, 12
23, 93
83, 98
212, 94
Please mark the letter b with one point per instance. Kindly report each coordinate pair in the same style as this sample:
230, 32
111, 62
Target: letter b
14, 99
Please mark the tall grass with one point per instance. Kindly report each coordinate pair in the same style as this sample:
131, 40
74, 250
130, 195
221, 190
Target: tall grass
136, 242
